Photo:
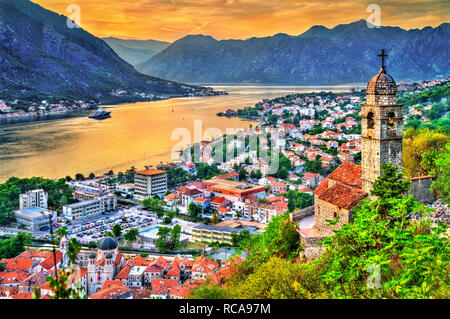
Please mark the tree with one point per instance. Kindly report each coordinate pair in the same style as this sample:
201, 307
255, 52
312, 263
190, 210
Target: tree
91, 176
155, 205
291, 205
117, 230
194, 210
79, 177
410, 256
215, 218
92, 244
442, 173
283, 173
422, 148
163, 237
242, 174
73, 249
11, 247
131, 235
109, 234
61, 232
175, 236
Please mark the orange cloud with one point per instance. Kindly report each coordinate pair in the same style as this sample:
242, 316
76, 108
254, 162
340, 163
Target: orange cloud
239, 19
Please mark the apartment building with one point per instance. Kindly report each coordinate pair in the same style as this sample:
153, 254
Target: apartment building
149, 183
34, 198
90, 208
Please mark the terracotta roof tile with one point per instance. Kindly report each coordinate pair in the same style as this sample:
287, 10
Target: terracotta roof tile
342, 196
347, 173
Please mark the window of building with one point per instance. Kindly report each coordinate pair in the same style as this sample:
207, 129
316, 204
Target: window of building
370, 121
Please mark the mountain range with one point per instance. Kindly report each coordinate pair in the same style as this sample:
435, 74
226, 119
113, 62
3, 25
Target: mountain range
136, 51
346, 53
41, 56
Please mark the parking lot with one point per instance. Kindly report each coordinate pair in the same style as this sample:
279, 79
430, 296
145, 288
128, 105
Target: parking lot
96, 228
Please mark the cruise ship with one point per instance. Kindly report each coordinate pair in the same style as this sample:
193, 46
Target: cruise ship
100, 114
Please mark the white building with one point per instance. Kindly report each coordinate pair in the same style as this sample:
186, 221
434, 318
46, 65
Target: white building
34, 217
149, 183
90, 208
126, 189
34, 198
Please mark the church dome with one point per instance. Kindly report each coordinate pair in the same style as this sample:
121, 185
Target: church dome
92, 255
382, 84
108, 256
107, 243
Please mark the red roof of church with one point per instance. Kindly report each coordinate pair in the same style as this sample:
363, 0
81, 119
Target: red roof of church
323, 186
347, 173
342, 196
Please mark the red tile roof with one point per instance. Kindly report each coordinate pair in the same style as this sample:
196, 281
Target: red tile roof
12, 277
174, 271
204, 265
150, 172
310, 175
154, 268
123, 273
23, 295
323, 186
347, 173
342, 196
108, 293
112, 283
20, 263
179, 291
49, 262
35, 254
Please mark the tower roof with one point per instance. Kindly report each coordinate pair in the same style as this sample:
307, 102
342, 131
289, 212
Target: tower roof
382, 83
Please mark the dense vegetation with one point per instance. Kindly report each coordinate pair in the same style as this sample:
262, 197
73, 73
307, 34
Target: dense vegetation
388, 251
423, 146
59, 194
11, 247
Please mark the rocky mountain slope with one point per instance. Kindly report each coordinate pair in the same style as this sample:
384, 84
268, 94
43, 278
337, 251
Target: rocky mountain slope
344, 54
41, 56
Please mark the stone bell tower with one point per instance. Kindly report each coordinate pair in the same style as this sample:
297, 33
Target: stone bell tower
381, 124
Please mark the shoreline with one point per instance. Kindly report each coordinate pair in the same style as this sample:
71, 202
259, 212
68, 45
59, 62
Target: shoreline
5, 122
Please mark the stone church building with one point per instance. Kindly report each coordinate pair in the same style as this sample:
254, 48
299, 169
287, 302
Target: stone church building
347, 185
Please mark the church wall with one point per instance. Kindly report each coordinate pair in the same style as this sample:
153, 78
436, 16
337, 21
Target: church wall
327, 211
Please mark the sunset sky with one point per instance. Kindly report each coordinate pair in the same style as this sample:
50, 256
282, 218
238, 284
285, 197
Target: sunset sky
169, 20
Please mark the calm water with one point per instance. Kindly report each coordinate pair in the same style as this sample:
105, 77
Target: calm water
137, 134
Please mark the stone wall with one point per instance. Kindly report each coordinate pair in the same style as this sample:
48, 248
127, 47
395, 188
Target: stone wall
302, 213
420, 189
326, 211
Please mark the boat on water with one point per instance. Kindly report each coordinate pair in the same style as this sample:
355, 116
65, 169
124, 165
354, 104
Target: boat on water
100, 114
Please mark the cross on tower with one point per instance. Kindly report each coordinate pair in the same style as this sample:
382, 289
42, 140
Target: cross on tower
382, 55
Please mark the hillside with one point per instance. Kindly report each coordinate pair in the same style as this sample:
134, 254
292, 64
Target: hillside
344, 54
136, 51
40, 56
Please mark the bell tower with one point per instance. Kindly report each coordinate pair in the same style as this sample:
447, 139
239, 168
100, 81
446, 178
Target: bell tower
381, 126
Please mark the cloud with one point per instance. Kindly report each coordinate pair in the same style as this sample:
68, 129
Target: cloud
172, 19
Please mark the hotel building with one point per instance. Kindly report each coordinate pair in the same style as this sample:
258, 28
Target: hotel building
149, 183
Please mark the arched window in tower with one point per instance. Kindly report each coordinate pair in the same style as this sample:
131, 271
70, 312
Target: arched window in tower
391, 121
370, 121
